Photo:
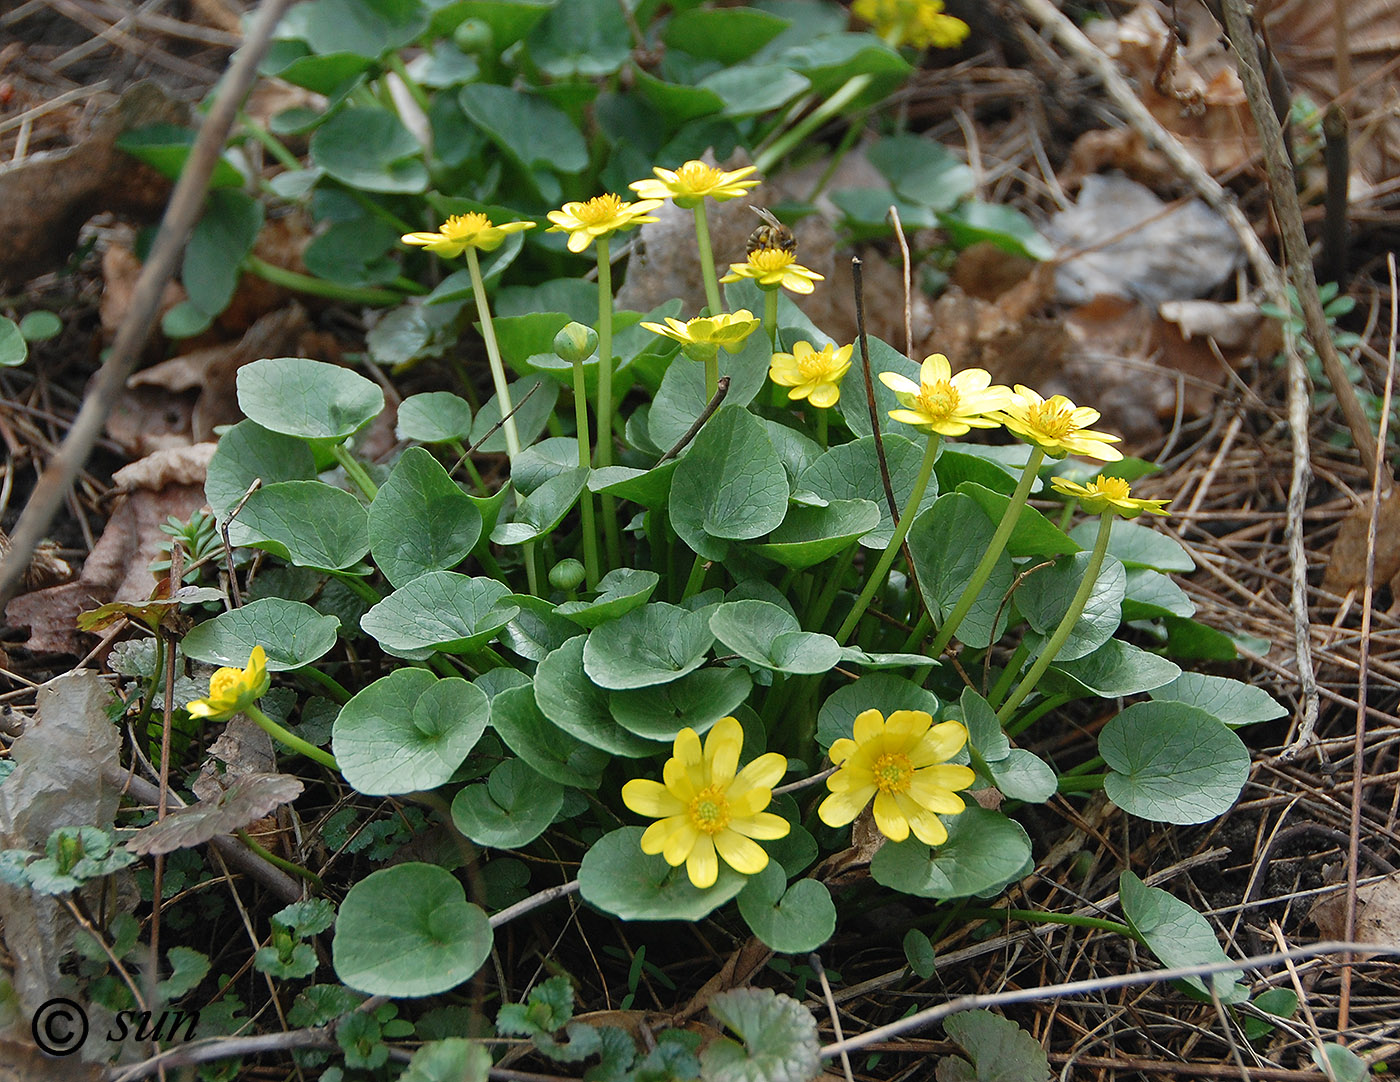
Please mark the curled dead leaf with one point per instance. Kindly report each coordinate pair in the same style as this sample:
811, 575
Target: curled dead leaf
247, 800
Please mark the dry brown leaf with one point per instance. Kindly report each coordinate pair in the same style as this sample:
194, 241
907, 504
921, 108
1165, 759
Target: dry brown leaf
1346, 564
23, 1062
120, 269
144, 420
177, 466
246, 799
738, 970
1377, 913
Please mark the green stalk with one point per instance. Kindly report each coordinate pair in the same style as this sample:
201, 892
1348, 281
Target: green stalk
901, 530
353, 470
319, 287
277, 862
821, 427
603, 452
1081, 783
816, 615
359, 586
330, 684
1066, 625
289, 739
395, 63
1033, 916
989, 558
464, 457
493, 356
696, 578
770, 317
1008, 674
798, 133
707, 261
585, 456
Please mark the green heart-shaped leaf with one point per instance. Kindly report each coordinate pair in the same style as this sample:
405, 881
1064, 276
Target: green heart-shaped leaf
441, 610
790, 920
511, 809
618, 878
651, 645
420, 520
291, 633
769, 636
572, 701
985, 850
310, 399
1172, 763
696, 701
307, 523
551, 751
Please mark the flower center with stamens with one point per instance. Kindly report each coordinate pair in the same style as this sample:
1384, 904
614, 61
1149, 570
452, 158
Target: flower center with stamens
599, 210
1115, 488
461, 226
767, 260
224, 683
1051, 420
939, 400
697, 176
709, 811
814, 364
892, 773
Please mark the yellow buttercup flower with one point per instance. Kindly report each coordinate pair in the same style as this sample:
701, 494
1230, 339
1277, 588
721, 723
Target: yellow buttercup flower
946, 404
919, 23
703, 335
601, 216
692, 182
232, 690
1057, 426
705, 811
812, 374
772, 268
463, 231
1110, 494
902, 763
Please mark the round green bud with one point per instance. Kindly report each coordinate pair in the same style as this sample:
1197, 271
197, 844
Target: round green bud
575, 343
473, 36
566, 575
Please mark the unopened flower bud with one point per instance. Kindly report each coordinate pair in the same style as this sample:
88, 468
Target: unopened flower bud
566, 574
575, 343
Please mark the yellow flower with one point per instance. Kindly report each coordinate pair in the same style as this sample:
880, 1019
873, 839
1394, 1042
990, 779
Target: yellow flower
815, 376
1108, 494
919, 23
463, 231
944, 403
232, 690
773, 267
704, 810
601, 216
1057, 426
902, 763
689, 184
703, 335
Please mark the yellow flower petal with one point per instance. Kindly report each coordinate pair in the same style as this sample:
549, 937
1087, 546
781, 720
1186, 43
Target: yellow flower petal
889, 818
702, 865
740, 853
647, 797
869, 725
839, 808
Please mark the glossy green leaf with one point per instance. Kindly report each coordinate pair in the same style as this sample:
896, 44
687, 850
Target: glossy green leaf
682, 398
779, 1035
654, 644
1023, 775
648, 488
750, 89
1137, 546
696, 701
1232, 701
551, 751
533, 399
922, 170
310, 399
420, 520
809, 535
1045, 597
1151, 594
996, 468
566, 696
999, 1050
851, 471
619, 592
1172, 763
727, 35
166, 148
541, 511
292, 635
985, 851
512, 808
677, 102
884, 692
580, 39
1343, 1064
772, 638
789, 919
409, 931
441, 610
213, 258
618, 878
509, 20
532, 131
1178, 936
247, 452
831, 60
1194, 641
357, 252
370, 149
1114, 670
39, 325
307, 523
364, 27
947, 542
730, 485
984, 731
13, 348
453, 1059
1033, 534
1006, 227
408, 731
434, 417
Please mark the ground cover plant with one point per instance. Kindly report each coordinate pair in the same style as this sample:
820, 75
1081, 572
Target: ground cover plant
687, 622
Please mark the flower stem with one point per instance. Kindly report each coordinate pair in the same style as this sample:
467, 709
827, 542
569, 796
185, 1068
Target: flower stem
821, 429
776, 150
1080, 783
353, 470
289, 739
770, 317
901, 530
357, 585
707, 262
493, 356
589, 528
1062, 632
816, 615
1034, 916
332, 686
603, 452
277, 862
990, 557
697, 577
464, 457
319, 287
